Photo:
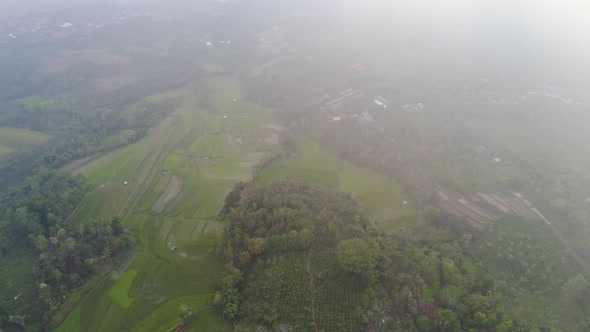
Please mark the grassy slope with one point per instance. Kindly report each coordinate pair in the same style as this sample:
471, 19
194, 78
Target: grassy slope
314, 165
381, 196
17, 139
147, 297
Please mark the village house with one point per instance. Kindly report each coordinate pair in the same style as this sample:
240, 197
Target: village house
380, 101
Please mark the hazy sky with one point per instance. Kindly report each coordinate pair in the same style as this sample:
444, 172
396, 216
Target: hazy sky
549, 33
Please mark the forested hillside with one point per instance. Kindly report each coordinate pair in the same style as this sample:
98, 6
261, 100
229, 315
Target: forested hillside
299, 257
304, 258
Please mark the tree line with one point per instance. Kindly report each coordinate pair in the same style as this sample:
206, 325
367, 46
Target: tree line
33, 218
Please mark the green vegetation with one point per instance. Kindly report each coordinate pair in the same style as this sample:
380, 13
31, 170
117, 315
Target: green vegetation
20, 139
453, 143
447, 243
288, 239
128, 182
445, 273
314, 165
18, 280
380, 195
530, 265
71, 256
15, 142
304, 258
431, 281
120, 290
38, 206
66, 256
177, 178
162, 118
87, 133
357, 255
5, 150
208, 320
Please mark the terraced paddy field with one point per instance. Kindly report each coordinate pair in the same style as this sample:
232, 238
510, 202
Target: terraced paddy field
381, 196
169, 188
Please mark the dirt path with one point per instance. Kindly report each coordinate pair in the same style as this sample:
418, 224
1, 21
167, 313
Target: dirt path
74, 164
312, 288
152, 162
585, 268
172, 190
122, 267
73, 213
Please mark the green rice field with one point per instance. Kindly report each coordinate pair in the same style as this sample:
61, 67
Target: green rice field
206, 154
169, 188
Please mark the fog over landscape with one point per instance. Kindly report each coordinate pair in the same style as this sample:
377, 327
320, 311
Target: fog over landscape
294, 165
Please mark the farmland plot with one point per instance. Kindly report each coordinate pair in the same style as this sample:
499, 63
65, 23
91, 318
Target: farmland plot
169, 192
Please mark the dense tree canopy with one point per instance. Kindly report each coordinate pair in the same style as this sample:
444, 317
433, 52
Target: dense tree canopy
38, 206
33, 218
424, 277
289, 216
279, 236
357, 255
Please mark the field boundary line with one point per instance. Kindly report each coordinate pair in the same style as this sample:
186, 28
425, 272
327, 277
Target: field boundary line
127, 260
92, 285
77, 209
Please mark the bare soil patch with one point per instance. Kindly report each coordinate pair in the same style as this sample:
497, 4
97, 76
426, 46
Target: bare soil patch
171, 191
482, 208
74, 164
